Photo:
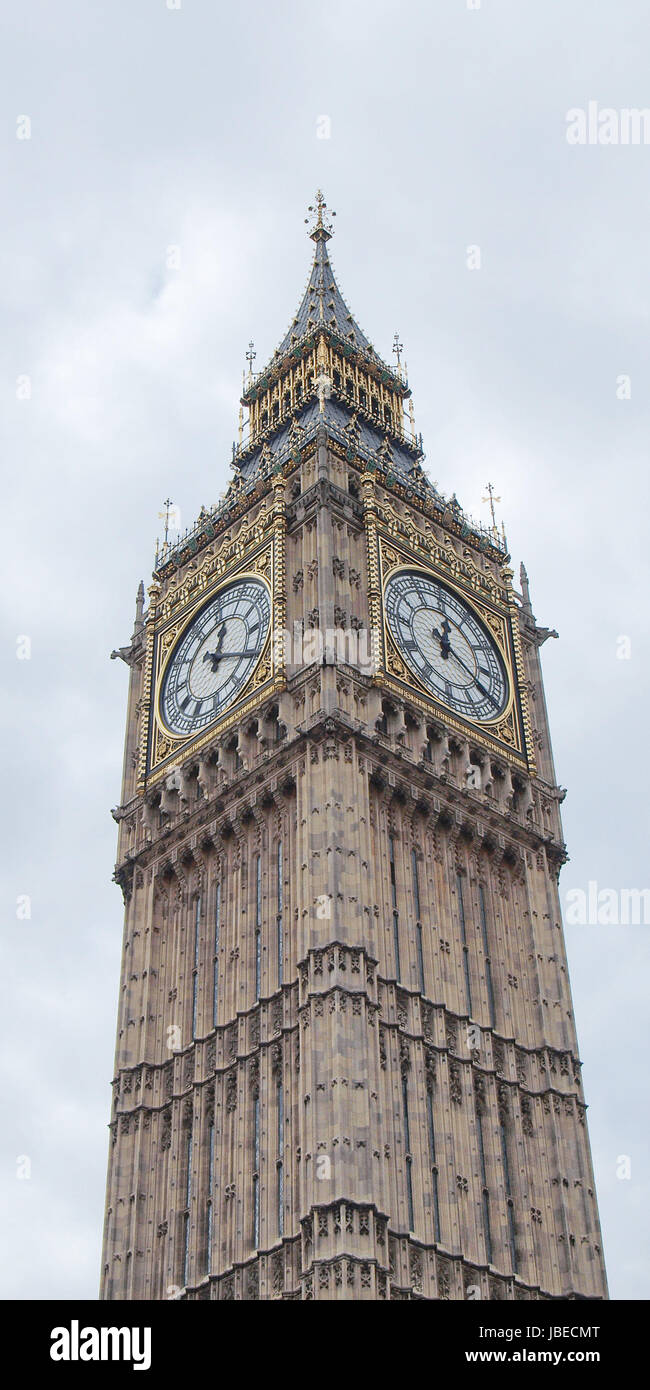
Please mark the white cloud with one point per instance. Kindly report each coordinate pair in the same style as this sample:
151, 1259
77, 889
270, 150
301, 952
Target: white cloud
197, 129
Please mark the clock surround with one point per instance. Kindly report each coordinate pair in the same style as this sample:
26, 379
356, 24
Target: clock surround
441, 657
198, 685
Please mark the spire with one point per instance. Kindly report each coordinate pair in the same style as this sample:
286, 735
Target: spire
139, 610
323, 304
326, 380
127, 654
523, 580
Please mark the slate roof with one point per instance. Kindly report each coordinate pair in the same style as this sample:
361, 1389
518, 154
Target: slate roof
323, 303
335, 417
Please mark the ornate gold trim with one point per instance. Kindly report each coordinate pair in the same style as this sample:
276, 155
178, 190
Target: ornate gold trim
375, 607
197, 573
145, 698
279, 595
403, 534
158, 746
522, 690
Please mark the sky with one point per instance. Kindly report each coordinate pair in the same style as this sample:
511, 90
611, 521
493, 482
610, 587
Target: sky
157, 161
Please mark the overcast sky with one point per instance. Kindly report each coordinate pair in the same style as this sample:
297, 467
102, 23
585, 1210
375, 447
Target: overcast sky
197, 128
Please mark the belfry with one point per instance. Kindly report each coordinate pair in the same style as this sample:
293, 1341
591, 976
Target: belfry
346, 1062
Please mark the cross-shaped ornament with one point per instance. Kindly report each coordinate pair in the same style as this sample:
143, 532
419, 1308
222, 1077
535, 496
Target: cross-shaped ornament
250, 358
316, 211
164, 516
491, 498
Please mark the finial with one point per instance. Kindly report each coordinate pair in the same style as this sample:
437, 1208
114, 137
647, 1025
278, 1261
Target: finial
250, 358
322, 227
165, 516
492, 498
412, 420
398, 348
139, 609
525, 588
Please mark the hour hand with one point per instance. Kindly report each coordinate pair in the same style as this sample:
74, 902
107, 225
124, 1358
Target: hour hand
443, 638
215, 656
212, 657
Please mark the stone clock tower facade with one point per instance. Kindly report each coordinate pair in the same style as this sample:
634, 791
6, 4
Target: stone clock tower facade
346, 1060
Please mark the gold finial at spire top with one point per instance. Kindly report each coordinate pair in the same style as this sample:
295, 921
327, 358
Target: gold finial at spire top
398, 349
492, 498
321, 229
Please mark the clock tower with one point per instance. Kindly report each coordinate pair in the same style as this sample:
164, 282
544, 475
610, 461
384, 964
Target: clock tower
346, 1061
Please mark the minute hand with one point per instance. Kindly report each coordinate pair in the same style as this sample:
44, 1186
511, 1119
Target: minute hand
223, 656
477, 682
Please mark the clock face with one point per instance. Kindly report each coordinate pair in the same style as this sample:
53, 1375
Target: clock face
446, 646
215, 657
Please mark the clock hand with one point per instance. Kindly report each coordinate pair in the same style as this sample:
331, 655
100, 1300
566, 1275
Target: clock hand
445, 645
214, 656
477, 682
223, 656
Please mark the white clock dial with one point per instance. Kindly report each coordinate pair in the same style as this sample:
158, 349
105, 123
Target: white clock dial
215, 657
444, 643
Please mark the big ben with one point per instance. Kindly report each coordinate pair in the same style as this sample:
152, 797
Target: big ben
346, 1062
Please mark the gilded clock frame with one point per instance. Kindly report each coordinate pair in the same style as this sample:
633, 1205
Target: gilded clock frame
509, 733
160, 750
170, 650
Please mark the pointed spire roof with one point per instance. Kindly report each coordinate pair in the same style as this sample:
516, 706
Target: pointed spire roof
322, 303
359, 417
323, 307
